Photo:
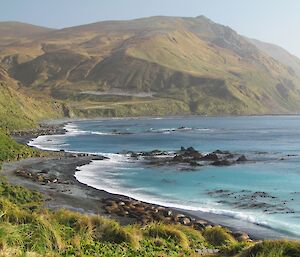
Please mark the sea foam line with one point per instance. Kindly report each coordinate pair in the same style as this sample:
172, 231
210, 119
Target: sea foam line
113, 186
85, 174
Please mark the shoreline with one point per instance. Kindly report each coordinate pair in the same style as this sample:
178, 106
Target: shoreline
80, 197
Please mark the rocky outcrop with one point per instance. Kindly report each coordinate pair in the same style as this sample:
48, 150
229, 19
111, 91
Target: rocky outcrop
190, 157
242, 158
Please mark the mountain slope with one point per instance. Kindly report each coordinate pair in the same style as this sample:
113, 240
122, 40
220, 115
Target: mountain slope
193, 64
18, 110
279, 54
17, 29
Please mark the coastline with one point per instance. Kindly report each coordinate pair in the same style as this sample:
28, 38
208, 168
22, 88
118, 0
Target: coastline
83, 198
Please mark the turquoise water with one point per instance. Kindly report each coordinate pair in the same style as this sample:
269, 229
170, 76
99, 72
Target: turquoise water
265, 190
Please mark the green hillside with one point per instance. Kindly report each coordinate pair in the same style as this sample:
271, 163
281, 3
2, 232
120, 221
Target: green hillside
198, 66
18, 110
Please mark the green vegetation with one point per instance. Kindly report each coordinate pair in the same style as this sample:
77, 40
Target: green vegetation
19, 111
218, 236
10, 150
26, 229
190, 65
163, 107
273, 249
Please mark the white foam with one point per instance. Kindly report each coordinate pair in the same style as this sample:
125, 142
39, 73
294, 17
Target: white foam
86, 174
169, 130
94, 175
48, 143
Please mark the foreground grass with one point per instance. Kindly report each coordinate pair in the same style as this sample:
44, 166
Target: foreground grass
27, 229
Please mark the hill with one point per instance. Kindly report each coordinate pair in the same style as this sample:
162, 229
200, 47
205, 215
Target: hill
154, 66
18, 110
19, 29
279, 54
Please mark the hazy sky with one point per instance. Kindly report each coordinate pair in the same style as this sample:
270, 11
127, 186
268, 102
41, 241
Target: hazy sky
276, 21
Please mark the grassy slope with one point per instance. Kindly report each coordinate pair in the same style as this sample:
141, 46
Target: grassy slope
209, 68
18, 110
246, 82
280, 54
11, 150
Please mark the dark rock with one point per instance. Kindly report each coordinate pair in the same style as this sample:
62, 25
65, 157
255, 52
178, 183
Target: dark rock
210, 157
190, 153
178, 158
134, 155
242, 158
229, 156
191, 149
218, 152
194, 163
221, 152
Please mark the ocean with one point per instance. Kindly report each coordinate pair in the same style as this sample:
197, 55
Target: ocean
265, 190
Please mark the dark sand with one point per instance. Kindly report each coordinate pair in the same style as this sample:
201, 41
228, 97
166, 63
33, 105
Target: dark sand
72, 194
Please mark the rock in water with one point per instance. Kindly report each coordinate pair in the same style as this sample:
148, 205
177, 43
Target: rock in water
242, 158
210, 157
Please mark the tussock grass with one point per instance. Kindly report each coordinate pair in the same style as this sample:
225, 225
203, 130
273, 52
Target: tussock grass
9, 251
111, 231
195, 237
45, 234
10, 235
19, 195
168, 232
10, 212
66, 233
280, 248
218, 236
11, 150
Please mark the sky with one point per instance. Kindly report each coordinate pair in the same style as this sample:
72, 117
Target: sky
274, 21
